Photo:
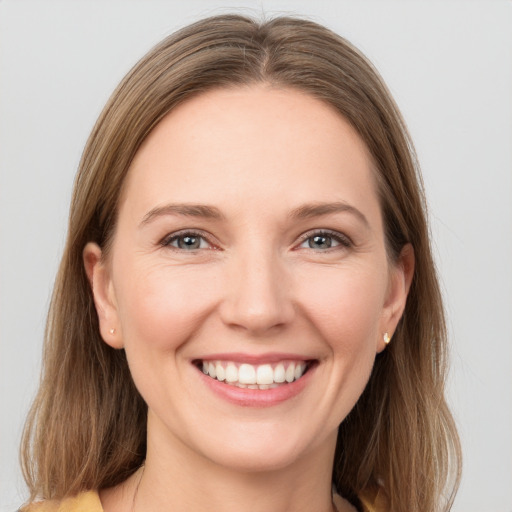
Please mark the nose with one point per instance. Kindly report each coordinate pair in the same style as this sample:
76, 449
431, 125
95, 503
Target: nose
257, 297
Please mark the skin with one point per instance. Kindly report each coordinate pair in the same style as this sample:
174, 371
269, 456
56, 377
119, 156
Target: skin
254, 286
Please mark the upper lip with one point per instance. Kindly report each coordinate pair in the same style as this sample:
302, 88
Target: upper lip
239, 357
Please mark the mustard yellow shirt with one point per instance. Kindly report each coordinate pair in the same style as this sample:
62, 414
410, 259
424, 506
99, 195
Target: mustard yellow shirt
89, 501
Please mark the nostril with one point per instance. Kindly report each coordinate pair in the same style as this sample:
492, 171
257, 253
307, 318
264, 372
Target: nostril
257, 321
257, 299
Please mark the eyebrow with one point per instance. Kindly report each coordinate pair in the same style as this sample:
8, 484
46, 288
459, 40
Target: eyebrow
184, 209
310, 210
305, 211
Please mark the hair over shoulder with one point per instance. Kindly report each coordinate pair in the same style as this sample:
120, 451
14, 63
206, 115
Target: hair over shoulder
87, 426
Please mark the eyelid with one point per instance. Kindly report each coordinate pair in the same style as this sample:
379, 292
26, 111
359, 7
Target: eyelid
170, 237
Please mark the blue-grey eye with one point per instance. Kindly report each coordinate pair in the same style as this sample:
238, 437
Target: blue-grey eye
188, 242
324, 240
321, 242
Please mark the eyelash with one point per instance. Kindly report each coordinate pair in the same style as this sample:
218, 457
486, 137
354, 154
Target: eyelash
343, 240
169, 239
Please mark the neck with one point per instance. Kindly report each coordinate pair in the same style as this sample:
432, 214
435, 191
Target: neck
229, 491
178, 478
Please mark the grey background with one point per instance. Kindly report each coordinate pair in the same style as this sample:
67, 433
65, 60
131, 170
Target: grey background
449, 65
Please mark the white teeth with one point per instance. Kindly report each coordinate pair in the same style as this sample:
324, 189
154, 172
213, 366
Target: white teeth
246, 374
265, 374
279, 373
298, 371
221, 373
231, 373
262, 376
290, 373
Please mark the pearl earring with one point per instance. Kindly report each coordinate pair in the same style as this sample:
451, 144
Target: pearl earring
387, 339
112, 331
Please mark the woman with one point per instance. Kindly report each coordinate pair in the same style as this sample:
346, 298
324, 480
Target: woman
247, 313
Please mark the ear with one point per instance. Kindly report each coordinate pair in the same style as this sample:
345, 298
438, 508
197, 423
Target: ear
103, 293
400, 278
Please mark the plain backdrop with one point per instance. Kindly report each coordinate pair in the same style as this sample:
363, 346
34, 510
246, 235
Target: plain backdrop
449, 66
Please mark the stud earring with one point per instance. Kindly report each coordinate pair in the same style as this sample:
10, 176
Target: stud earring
112, 331
386, 337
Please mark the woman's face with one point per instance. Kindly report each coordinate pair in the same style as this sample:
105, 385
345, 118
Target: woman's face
249, 246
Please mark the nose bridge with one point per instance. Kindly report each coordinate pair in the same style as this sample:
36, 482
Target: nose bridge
258, 295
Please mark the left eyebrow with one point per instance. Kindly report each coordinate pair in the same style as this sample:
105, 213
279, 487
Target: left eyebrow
318, 209
183, 209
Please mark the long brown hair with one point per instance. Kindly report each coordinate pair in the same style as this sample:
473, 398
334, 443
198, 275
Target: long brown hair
87, 427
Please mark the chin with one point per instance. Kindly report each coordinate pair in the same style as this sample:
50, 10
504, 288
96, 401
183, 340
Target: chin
263, 449
255, 460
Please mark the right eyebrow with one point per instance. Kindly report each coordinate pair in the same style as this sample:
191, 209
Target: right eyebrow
184, 209
319, 209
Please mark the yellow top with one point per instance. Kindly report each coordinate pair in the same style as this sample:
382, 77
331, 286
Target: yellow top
89, 501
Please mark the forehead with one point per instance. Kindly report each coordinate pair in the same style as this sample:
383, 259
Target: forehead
268, 144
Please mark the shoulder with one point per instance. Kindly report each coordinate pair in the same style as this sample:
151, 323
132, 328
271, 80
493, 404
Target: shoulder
88, 501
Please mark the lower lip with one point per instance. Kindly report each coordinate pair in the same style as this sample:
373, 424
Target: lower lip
257, 397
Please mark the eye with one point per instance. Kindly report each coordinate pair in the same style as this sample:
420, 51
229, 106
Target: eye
324, 240
186, 241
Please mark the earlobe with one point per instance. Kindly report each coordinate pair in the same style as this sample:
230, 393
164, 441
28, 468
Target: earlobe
401, 276
103, 294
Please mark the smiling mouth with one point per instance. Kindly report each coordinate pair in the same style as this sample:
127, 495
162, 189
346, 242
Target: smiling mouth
262, 376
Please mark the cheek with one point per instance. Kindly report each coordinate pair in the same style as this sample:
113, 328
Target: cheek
345, 305
161, 306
